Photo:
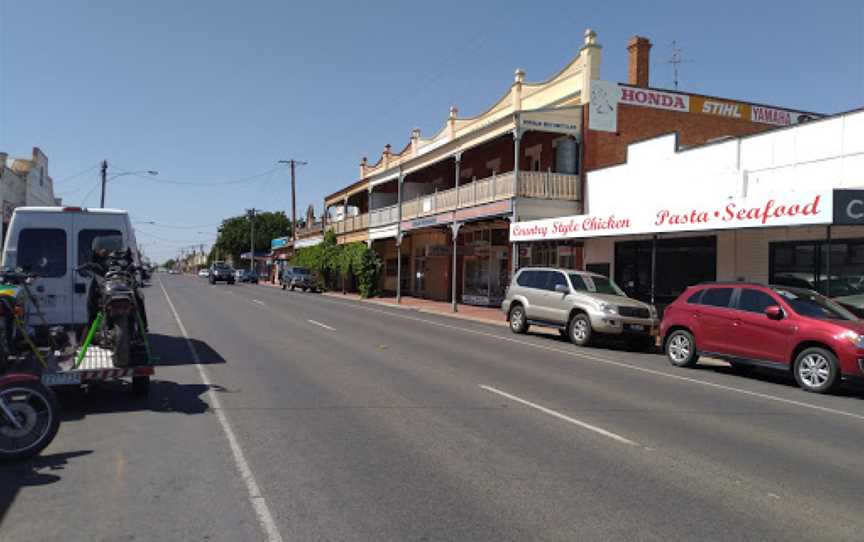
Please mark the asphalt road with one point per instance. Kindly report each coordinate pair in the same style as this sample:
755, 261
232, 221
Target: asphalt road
315, 418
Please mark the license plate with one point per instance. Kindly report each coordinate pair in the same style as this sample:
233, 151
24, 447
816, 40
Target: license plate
61, 379
637, 327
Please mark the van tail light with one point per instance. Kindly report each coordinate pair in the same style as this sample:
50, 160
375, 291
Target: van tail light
72, 209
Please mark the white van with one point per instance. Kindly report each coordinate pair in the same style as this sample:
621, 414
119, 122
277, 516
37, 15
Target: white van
52, 242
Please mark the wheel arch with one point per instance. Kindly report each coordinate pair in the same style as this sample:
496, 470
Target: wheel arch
812, 343
673, 329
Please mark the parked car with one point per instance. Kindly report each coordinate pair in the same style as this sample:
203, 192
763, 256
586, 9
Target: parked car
221, 272
581, 305
777, 327
298, 277
204, 273
244, 275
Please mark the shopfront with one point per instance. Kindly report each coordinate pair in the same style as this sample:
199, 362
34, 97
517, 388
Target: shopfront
486, 263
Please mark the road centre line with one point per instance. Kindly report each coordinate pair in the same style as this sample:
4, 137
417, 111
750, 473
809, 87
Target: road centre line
325, 326
560, 416
259, 302
256, 498
607, 361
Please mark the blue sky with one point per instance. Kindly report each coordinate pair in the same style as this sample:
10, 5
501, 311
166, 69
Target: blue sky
206, 91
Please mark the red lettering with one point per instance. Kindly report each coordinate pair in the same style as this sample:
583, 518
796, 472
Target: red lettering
661, 217
627, 94
811, 208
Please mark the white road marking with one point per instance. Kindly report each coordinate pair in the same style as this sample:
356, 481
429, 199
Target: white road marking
325, 326
259, 503
555, 413
607, 361
259, 302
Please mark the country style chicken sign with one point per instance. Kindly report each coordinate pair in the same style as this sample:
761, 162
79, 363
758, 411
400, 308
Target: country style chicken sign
793, 209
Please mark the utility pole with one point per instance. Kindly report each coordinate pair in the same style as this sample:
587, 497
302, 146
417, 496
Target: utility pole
293, 163
251, 213
104, 180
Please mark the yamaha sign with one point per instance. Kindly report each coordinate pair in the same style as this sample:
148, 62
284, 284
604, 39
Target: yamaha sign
849, 207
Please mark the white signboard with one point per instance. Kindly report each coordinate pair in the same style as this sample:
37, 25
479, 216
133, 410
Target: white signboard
565, 120
657, 99
793, 209
603, 106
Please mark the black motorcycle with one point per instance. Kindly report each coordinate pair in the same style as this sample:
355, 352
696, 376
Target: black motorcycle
114, 305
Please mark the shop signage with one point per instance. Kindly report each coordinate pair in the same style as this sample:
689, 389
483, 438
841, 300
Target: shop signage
655, 98
480, 211
787, 210
563, 120
849, 207
603, 107
719, 108
278, 243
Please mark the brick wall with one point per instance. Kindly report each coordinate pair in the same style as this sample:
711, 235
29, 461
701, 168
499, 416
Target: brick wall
637, 123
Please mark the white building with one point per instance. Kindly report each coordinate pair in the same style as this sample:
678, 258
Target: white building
785, 207
25, 181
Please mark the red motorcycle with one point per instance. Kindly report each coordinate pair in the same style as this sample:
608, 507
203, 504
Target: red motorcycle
29, 416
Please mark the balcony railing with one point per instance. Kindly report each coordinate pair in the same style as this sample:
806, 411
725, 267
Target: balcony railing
350, 224
532, 184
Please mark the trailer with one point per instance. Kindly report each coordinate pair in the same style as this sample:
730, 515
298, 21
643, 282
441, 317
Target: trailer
97, 365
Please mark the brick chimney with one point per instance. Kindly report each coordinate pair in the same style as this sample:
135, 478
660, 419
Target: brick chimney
639, 52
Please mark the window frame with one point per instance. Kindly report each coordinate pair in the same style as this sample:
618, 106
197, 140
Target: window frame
65, 261
740, 293
729, 304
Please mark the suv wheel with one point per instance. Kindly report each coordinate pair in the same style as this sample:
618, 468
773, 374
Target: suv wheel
681, 349
518, 320
579, 329
816, 370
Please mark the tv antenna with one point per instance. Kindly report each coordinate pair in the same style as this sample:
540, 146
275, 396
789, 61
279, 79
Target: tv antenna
676, 62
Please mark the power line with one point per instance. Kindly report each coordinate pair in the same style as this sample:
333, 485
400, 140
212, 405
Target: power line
80, 173
250, 178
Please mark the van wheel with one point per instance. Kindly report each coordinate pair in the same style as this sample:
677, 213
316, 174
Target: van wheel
681, 349
518, 320
816, 370
579, 329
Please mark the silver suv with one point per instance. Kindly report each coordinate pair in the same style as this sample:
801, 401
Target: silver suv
579, 304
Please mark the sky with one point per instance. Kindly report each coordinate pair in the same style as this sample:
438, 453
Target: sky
212, 93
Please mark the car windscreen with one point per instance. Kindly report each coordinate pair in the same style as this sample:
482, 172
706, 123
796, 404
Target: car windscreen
812, 305
301, 271
596, 284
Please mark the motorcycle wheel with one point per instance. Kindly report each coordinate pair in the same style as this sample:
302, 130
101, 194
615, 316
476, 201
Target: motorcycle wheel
122, 349
37, 412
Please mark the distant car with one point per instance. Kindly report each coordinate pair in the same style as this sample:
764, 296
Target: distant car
776, 327
298, 277
221, 272
244, 275
173, 272
203, 273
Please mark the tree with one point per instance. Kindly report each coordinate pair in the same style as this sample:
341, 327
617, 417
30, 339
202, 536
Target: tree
234, 233
170, 264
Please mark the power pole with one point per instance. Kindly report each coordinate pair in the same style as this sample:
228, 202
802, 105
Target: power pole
104, 180
251, 213
293, 163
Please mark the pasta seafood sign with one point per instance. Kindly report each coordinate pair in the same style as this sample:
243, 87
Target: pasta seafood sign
793, 209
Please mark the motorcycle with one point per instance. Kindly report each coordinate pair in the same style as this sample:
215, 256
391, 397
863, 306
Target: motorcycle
115, 305
29, 416
29, 412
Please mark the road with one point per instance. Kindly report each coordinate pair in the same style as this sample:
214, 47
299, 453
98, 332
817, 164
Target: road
309, 417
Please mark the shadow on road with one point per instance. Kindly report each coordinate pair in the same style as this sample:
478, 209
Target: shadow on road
116, 397
39, 471
173, 350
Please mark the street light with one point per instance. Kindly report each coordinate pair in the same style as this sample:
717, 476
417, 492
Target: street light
105, 178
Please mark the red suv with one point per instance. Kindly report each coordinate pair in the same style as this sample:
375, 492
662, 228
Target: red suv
767, 326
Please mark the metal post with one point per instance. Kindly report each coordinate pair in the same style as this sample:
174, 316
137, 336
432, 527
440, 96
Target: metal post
399, 181
252, 240
293, 207
104, 180
455, 230
828, 265
653, 265
517, 137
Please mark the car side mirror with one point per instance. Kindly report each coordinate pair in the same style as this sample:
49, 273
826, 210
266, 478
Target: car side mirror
562, 289
774, 312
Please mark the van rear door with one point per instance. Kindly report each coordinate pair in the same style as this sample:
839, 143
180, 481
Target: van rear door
88, 226
40, 243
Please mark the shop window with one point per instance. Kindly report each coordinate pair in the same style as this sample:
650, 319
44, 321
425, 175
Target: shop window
599, 268
679, 263
805, 264
751, 300
500, 237
494, 166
